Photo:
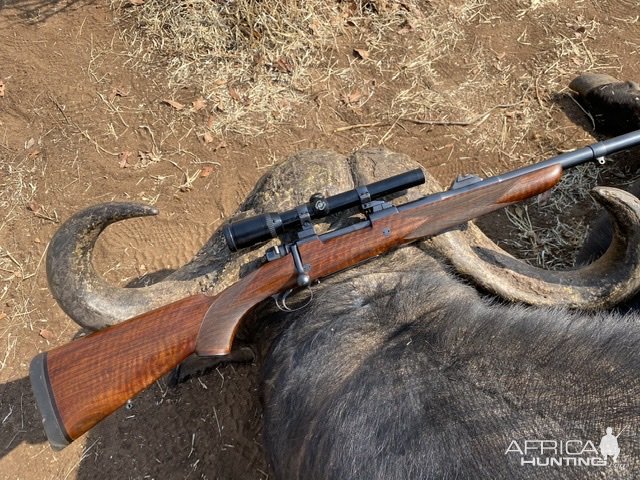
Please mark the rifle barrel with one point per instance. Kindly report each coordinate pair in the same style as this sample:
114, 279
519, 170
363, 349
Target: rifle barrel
565, 160
590, 152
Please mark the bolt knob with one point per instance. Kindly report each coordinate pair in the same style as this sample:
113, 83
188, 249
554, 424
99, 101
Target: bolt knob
304, 280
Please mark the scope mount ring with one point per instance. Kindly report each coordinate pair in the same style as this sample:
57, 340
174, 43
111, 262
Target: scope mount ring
364, 194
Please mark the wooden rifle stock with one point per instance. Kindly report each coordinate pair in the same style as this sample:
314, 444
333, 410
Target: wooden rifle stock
78, 384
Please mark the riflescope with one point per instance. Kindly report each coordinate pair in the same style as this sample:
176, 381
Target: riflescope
251, 231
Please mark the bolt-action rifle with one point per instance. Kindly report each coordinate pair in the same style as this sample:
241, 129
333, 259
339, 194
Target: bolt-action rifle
80, 383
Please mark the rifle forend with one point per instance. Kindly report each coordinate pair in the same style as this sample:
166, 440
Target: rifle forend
78, 384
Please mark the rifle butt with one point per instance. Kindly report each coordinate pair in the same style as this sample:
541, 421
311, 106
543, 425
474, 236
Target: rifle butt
53, 427
80, 383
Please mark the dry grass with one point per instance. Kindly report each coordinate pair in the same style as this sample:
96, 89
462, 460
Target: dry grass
546, 234
18, 265
258, 62
17, 186
19, 176
532, 5
253, 61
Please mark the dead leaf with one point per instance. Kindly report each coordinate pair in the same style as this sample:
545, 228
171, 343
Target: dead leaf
206, 171
406, 27
174, 104
29, 143
33, 207
207, 138
233, 93
284, 66
361, 53
136, 3
199, 104
123, 158
352, 97
219, 82
210, 121
258, 59
146, 158
47, 334
1, 88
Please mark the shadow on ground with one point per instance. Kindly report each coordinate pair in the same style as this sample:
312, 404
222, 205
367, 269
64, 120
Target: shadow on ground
23, 426
36, 11
205, 428
208, 427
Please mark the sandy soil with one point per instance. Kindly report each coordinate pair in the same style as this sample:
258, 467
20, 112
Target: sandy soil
79, 125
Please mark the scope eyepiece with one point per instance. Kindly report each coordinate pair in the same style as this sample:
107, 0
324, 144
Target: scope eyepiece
253, 230
260, 228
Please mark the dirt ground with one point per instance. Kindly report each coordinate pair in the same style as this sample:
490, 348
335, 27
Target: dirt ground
81, 124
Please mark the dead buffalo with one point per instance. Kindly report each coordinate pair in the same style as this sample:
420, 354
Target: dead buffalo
400, 368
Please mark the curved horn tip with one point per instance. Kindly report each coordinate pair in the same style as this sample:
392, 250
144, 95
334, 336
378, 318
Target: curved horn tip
115, 211
84, 226
586, 82
92, 220
97, 217
611, 196
72, 280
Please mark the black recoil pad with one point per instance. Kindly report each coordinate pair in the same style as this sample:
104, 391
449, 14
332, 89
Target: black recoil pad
51, 421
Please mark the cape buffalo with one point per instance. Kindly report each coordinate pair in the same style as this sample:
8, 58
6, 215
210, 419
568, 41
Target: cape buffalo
400, 368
